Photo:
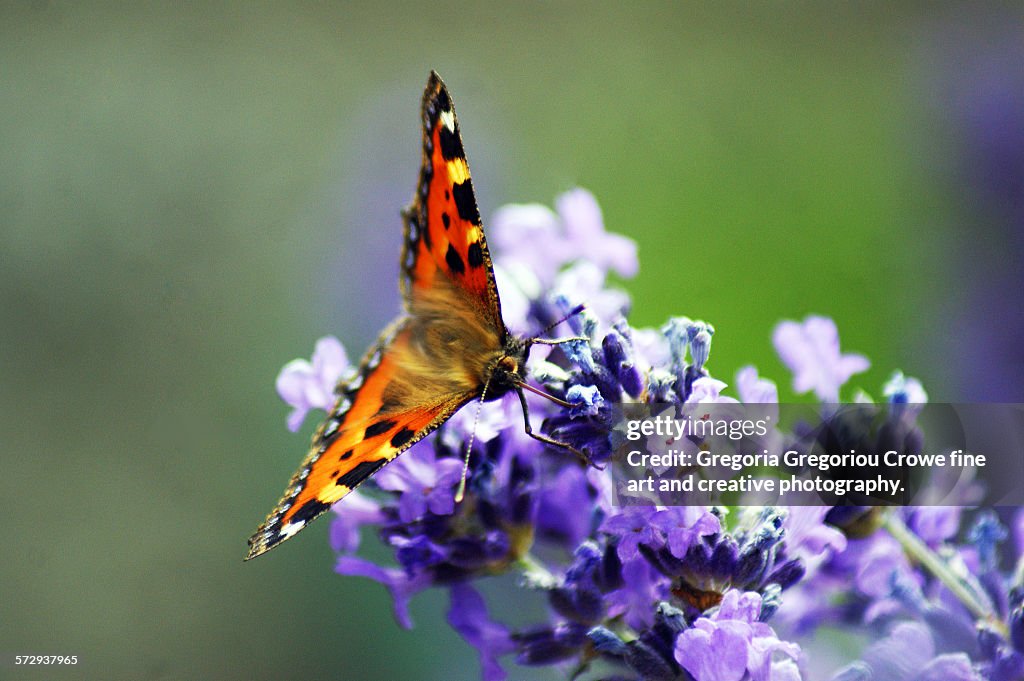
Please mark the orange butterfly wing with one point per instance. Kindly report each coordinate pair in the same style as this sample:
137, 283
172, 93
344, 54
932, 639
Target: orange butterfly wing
444, 235
385, 410
429, 363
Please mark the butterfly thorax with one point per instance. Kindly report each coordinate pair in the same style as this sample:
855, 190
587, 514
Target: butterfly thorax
454, 348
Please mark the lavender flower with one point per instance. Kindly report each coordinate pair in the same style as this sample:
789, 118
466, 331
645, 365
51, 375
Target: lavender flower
310, 385
468, 616
648, 593
733, 644
424, 482
908, 654
754, 389
811, 351
535, 236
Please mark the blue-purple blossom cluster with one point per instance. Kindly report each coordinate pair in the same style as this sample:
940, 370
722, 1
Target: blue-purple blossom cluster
659, 594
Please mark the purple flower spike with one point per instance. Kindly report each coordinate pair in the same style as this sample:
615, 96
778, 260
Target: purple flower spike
700, 334
468, 616
677, 331
811, 351
310, 385
618, 356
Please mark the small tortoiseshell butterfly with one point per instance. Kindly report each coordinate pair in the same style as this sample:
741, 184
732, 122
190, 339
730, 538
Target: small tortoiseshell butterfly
449, 348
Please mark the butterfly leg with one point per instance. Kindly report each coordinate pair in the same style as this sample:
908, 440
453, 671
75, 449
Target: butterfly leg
550, 441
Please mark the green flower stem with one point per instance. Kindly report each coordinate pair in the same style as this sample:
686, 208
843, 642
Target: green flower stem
535, 574
919, 551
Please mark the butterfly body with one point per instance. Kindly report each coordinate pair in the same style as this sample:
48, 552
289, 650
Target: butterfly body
449, 348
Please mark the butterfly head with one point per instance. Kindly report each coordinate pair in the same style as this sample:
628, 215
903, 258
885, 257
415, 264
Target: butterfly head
508, 369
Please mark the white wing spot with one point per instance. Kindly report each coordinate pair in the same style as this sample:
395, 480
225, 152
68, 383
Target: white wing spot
292, 528
448, 119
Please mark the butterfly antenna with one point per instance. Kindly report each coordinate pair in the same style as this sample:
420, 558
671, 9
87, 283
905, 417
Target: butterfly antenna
572, 313
461, 492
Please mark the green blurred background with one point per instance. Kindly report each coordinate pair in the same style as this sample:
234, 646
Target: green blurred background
190, 195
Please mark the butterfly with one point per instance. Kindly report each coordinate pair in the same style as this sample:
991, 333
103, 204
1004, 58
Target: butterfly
449, 348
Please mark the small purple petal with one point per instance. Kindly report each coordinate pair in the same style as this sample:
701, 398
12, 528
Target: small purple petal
584, 228
329, 361
742, 606
358, 510
424, 480
295, 419
584, 283
811, 351
882, 558
468, 616
753, 389
907, 649
712, 653
632, 526
402, 587
707, 390
935, 524
310, 385
559, 512
292, 380
807, 534
651, 348
684, 525
949, 667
